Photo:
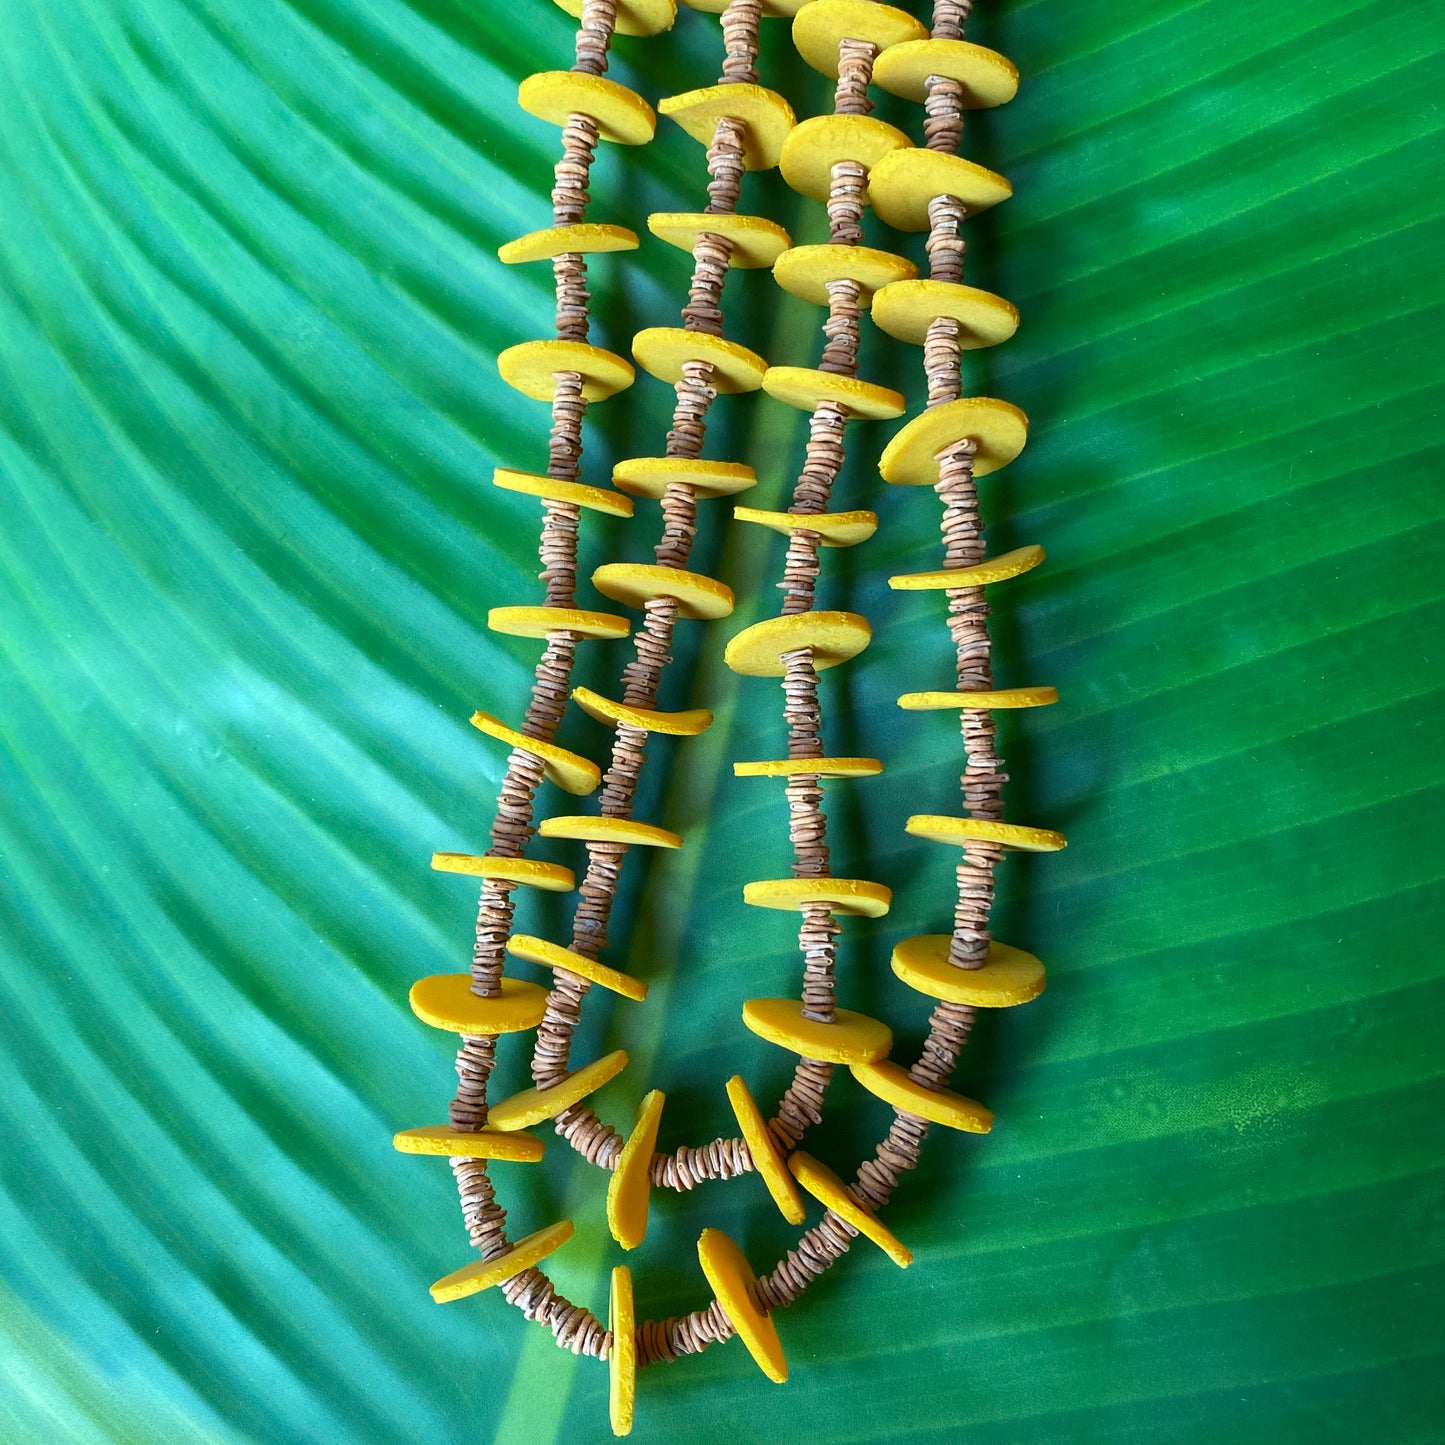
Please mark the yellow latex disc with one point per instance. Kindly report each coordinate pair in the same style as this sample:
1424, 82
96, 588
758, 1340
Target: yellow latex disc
836, 529
987, 78
902, 184
637, 583
673, 724
805, 388
1010, 976
602, 829
587, 238
551, 877
764, 1149
999, 428
822, 26
1010, 697
551, 955
732, 1280
622, 115
484, 1273
1014, 836
815, 146
821, 767
634, 17
544, 621
531, 368
651, 476
662, 350
531, 1106
854, 896
833, 637
756, 242
806, 270
851, 1038
549, 489
769, 8
766, 116
992, 569
630, 1188
890, 1082
622, 1357
469, 1144
446, 1001
832, 1193
571, 773
906, 309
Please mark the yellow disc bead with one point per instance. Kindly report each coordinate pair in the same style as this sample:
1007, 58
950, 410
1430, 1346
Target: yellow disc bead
832, 1193
638, 583
901, 185
663, 351
806, 389
732, 1281
998, 427
586, 238
822, 26
832, 637
906, 309
622, 1358
550, 877
484, 1273
987, 78
634, 17
756, 242
531, 1106
815, 146
1009, 977
630, 1187
571, 773
803, 767
651, 476
572, 494
544, 621
551, 955
805, 271
622, 115
1014, 836
834, 529
532, 368
599, 828
983, 574
1010, 697
764, 1150
853, 896
469, 1143
446, 1001
852, 1038
765, 116
686, 724
890, 1082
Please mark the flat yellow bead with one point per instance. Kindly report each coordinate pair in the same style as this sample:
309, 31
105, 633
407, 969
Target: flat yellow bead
551, 877
1014, 836
484, 1273
637, 583
592, 828
768, 9
835, 529
987, 78
756, 241
807, 389
469, 1144
999, 428
764, 1150
853, 896
901, 185
573, 774
446, 1001
906, 309
732, 1281
815, 146
622, 1357
551, 955
663, 351
765, 116
852, 1038
672, 724
832, 1193
890, 1082
821, 767
622, 115
651, 476
532, 368
993, 569
832, 637
544, 621
586, 238
574, 494
634, 17
805, 271
1009, 977
1009, 697
822, 26
531, 1106
630, 1188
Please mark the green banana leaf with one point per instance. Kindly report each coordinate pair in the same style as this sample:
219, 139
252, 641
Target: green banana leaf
249, 410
